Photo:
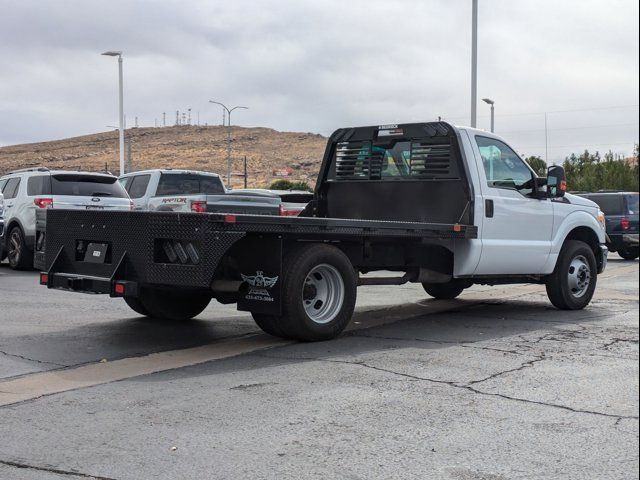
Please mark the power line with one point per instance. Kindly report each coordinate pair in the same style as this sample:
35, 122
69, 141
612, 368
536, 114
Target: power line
580, 145
611, 107
574, 128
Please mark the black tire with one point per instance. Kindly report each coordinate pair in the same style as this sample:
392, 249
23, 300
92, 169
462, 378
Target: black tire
136, 305
19, 255
269, 324
299, 264
444, 291
577, 260
628, 253
175, 305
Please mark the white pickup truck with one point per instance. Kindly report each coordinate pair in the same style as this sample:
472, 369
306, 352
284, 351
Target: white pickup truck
444, 206
168, 190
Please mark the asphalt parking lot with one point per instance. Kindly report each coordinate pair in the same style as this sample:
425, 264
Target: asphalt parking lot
495, 385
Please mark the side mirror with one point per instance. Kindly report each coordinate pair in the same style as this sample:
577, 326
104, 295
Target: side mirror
556, 182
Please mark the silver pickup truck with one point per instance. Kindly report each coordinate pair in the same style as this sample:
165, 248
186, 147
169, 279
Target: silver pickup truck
168, 190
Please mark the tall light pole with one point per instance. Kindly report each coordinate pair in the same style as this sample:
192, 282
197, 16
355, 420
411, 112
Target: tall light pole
120, 105
228, 137
474, 62
490, 102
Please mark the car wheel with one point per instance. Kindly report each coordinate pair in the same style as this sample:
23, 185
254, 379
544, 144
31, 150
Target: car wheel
573, 282
172, 304
19, 255
628, 253
444, 291
319, 285
136, 305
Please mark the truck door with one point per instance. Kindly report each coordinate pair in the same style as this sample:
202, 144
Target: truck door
516, 227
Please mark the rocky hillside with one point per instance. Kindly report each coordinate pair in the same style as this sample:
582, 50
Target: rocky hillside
192, 147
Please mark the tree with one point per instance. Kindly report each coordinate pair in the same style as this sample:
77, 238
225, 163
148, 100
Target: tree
283, 184
591, 172
538, 164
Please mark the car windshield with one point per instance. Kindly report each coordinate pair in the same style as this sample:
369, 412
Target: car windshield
189, 184
84, 185
632, 204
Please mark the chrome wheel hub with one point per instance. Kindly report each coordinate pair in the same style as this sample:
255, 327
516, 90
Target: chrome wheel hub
579, 276
323, 293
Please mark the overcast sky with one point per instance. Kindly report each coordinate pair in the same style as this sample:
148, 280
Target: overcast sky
318, 65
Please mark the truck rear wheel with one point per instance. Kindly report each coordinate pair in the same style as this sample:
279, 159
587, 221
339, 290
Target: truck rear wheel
269, 324
172, 304
573, 282
444, 291
319, 295
136, 305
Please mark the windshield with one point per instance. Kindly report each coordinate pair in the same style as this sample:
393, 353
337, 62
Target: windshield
83, 185
189, 184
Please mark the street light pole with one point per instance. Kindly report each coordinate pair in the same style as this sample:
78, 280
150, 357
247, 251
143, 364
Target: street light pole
490, 102
474, 62
120, 106
228, 137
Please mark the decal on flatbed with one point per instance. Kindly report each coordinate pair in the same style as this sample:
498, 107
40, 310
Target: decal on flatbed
259, 286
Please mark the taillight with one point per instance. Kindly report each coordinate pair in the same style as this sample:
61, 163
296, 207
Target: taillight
198, 206
285, 212
624, 223
43, 202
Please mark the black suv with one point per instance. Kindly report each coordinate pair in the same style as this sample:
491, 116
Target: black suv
621, 212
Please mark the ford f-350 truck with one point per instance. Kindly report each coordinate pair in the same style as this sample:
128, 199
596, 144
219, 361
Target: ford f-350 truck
445, 206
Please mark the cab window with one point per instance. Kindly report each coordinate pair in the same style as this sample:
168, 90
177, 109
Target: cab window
503, 167
138, 186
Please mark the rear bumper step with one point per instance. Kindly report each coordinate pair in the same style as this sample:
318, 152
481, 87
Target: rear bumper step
88, 284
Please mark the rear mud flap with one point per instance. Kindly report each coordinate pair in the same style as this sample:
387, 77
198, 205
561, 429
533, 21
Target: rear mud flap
260, 269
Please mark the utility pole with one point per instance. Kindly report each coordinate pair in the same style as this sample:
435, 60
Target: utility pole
228, 137
245, 171
546, 140
474, 62
488, 101
164, 119
177, 117
120, 106
129, 157
189, 118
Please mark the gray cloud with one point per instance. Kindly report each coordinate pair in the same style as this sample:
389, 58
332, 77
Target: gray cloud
315, 66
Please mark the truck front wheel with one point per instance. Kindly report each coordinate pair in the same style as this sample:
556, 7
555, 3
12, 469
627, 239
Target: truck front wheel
170, 304
573, 282
319, 295
630, 253
444, 291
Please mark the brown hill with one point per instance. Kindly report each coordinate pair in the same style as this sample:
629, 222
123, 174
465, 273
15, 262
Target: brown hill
192, 147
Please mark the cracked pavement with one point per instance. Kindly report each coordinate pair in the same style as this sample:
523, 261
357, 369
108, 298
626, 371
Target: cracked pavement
496, 385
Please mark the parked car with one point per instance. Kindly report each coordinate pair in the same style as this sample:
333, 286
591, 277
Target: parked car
292, 202
168, 190
2, 255
621, 212
28, 190
444, 206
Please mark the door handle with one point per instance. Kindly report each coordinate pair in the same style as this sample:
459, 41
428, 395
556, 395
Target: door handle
488, 208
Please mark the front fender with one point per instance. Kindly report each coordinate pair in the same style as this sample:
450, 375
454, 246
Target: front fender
572, 221
569, 223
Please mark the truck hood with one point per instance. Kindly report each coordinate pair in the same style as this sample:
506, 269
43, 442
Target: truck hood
581, 201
